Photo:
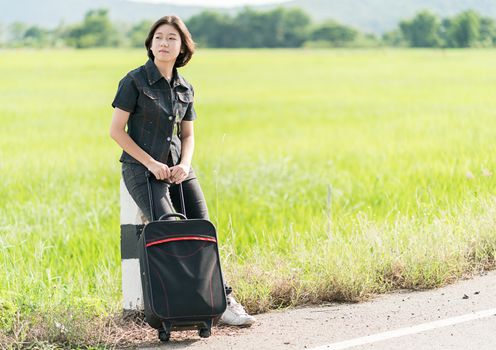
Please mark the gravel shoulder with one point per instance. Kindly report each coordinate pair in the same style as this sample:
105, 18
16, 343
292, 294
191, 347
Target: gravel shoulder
308, 327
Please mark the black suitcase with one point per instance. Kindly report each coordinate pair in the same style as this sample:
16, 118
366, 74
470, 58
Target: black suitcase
181, 277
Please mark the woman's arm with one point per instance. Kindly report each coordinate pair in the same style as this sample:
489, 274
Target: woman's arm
119, 134
181, 171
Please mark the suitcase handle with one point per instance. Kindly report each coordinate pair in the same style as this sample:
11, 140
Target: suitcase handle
149, 174
172, 215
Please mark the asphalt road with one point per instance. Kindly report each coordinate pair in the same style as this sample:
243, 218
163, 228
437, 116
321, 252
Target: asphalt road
456, 317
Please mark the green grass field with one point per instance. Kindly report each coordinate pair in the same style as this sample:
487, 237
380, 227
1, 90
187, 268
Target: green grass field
330, 175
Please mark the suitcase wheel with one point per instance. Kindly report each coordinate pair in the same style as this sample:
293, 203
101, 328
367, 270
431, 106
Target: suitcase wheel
163, 335
204, 332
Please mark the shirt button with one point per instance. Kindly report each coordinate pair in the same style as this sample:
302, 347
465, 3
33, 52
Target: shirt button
168, 138
170, 117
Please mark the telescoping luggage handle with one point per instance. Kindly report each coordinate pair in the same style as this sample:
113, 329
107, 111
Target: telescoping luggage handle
181, 215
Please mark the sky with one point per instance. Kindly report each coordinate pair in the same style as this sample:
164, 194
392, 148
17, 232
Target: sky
215, 3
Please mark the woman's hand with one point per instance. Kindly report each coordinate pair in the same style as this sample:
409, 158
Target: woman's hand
179, 173
160, 170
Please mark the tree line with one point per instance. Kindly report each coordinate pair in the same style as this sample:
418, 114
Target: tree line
280, 27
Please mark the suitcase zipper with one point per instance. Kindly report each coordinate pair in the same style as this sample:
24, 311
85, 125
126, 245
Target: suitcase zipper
184, 238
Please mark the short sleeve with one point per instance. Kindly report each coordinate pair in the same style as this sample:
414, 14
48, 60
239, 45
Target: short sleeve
190, 112
127, 95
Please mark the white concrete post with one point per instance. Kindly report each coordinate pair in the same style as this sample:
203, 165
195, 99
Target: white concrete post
131, 221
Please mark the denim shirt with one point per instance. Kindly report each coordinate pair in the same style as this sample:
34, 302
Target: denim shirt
156, 108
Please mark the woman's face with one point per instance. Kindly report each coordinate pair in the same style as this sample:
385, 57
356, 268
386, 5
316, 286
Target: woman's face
166, 43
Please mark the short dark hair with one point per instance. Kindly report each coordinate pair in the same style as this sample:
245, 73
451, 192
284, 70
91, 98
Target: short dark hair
187, 43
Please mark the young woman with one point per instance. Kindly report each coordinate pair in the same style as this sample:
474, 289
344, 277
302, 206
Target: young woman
156, 104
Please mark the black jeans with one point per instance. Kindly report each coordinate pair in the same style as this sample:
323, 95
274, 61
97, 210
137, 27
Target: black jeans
166, 199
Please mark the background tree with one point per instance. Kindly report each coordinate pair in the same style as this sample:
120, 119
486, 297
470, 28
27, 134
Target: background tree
293, 28
394, 38
487, 37
95, 31
283, 27
36, 37
422, 31
2, 35
464, 29
212, 29
58, 35
444, 35
253, 27
137, 34
276, 28
16, 32
333, 32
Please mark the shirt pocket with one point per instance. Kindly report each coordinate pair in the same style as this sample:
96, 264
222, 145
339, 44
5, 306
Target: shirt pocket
153, 104
151, 94
182, 103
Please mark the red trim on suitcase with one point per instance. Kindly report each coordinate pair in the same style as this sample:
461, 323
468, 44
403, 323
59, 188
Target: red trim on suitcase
185, 238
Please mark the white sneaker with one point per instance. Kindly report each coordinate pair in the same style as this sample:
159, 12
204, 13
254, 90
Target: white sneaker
235, 314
